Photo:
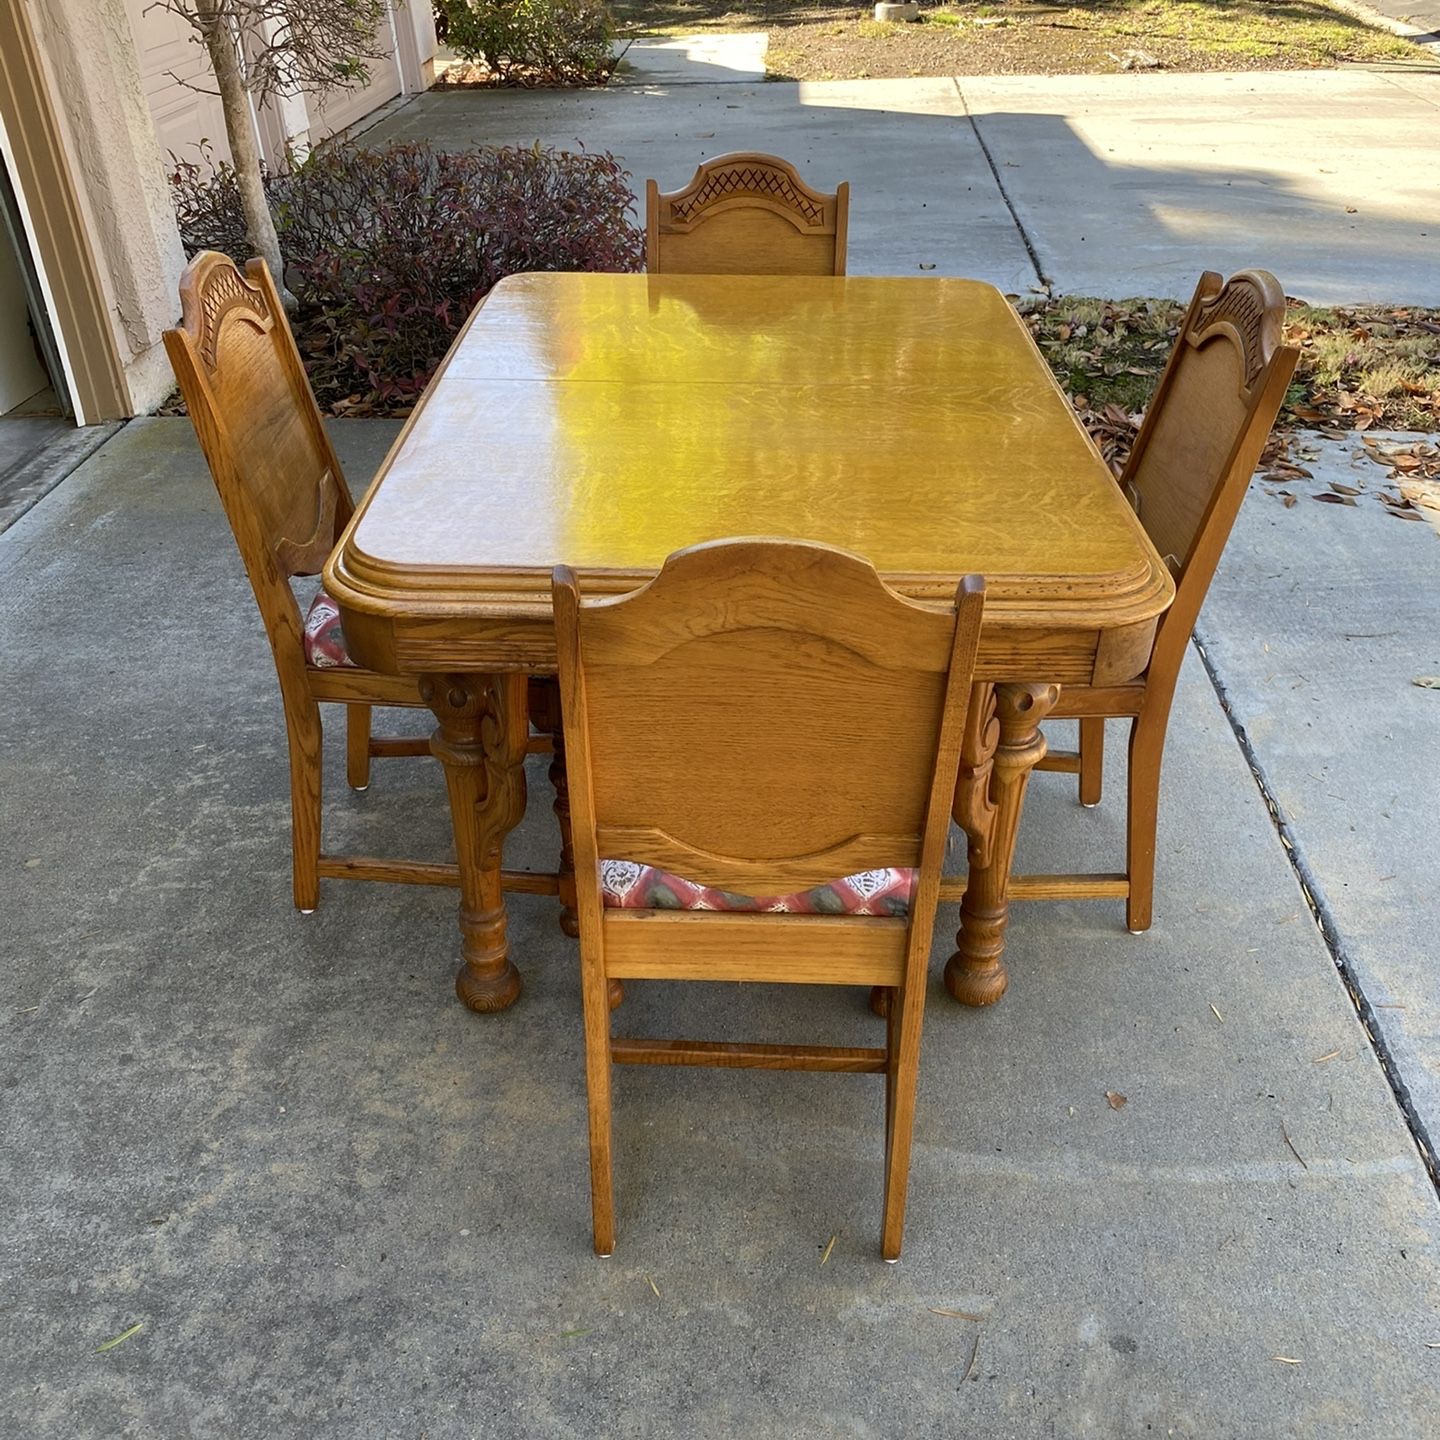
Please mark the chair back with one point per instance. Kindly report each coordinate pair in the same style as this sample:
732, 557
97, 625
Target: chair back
260, 429
1204, 432
763, 717
745, 214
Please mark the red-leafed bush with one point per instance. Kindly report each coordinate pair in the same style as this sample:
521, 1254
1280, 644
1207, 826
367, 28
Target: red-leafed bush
388, 250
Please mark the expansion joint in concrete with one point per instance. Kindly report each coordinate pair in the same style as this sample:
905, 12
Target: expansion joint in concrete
1325, 922
1041, 277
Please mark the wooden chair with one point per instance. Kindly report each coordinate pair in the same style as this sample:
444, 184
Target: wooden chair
745, 214
1186, 477
286, 499
673, 700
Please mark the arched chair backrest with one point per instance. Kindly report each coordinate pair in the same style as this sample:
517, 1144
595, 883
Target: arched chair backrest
260, 429
1205, 429
687, 682
745, 214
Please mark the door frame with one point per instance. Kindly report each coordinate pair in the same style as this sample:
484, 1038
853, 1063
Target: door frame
13, 235
32, 150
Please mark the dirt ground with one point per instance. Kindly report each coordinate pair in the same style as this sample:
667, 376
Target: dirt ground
1028, 37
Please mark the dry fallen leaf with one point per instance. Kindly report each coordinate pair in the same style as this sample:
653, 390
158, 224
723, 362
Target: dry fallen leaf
1116, 1099
1427, 682
1286, 1359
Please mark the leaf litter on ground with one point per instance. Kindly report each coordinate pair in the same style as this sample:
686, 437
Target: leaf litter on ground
1360, 368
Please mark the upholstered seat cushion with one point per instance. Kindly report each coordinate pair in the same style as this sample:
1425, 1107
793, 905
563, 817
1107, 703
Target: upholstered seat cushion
324, 639
625, 885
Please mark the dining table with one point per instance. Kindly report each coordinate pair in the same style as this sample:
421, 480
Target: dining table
604, 421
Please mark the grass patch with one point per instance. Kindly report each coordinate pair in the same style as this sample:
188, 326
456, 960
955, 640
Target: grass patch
816, 40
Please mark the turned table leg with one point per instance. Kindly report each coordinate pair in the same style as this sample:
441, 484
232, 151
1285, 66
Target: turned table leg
481, 740
1003, 744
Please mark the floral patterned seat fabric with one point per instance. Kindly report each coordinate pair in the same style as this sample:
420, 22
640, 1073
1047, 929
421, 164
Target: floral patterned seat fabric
625, 885
324, 639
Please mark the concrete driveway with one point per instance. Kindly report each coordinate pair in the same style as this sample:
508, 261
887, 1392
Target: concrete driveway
1110, 185
322, 1200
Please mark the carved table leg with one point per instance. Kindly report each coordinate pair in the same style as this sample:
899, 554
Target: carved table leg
1003, 744
481, 743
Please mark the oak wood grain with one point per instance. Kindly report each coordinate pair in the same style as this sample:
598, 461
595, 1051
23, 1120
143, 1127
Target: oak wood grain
658, 687
1187, 475
286, 499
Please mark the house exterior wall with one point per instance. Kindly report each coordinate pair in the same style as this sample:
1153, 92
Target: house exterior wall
175, 74
88, 114
88, 57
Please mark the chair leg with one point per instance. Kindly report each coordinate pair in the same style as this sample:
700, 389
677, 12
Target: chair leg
1147, 749
901, 1074
1092, 758
305, 736
597, 1085
569, 919
357, 746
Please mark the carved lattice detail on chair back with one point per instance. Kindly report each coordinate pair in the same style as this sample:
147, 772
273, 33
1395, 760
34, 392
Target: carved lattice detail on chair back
221, 288
750, 179
1250, 309
746, 213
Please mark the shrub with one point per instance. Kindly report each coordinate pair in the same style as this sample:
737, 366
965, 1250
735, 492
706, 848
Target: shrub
207, 204
388, 250
547, 42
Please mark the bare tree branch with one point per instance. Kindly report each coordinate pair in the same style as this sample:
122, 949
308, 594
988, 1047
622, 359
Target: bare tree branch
259, 49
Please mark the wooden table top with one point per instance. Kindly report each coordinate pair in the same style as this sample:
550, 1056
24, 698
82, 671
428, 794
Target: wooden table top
607, 420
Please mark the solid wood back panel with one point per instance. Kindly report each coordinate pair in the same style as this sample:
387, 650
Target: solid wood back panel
746, 214
764, 716
1208, 422
257, 420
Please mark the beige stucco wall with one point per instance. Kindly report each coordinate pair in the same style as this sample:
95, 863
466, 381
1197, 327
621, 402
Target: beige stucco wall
116, 161
92, 73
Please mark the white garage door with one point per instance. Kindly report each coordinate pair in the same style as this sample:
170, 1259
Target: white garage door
184, 117
338, 108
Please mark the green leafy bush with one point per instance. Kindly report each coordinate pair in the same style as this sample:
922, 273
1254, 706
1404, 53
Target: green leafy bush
388, 250
545, 42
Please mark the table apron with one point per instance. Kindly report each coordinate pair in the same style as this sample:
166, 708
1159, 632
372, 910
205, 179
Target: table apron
421, 645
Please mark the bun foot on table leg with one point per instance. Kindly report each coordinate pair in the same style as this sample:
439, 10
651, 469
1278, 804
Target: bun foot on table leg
880, 1000
488, 993
976, 982
481, 741
569, 922
615, 993
488, 981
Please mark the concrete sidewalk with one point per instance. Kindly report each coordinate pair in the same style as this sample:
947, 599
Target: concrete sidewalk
1111, 185
1319, 621
339, 1205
